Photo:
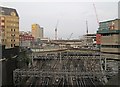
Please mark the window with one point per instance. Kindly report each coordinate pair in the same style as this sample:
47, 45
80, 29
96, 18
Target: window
13, 35
111, 46
2, 18
11, 45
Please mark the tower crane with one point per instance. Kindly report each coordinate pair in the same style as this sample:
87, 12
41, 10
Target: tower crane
70, 36
86, 27
96, 13
56, 30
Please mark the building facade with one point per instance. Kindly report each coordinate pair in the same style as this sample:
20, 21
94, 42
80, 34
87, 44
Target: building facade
9, 27
26, 39
89, 40
37, 31
110, 36
9, 44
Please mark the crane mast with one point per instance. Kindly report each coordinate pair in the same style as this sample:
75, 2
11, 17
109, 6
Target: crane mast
70, 36
96, 13
56, 31
86, 27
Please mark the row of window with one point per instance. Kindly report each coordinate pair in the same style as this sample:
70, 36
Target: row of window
12, 21
12, 40
11, 30
109, 34
110, 46
12, 27
5, 40
26, 38
2, 18
2, 21
12, 45
2, 24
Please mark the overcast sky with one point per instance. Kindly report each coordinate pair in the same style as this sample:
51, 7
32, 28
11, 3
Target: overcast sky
72, 16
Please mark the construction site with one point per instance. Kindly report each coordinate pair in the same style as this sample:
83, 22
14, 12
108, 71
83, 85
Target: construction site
66, 68
29, 59
87, 62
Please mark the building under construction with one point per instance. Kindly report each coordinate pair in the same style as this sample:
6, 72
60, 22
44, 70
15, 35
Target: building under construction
108, 35
67, 67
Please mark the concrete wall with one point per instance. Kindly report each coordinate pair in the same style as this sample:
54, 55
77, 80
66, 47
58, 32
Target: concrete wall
7, 66
111, 50
112, 56
6, 53
25, 43
7, 72
110, 40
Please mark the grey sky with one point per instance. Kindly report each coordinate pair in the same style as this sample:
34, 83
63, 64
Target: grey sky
71, 16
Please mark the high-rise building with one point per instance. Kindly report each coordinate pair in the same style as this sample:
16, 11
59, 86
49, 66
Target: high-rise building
9, 27
9, 38
109, 36
37, 31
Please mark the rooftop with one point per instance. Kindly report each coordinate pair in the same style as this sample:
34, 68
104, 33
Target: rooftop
109, 20
8, 11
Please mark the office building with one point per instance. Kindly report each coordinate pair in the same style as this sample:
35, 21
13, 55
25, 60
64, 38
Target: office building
9, 27
37, 31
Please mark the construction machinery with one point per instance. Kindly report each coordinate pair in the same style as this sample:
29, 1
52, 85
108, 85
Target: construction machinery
70, 36
56, 30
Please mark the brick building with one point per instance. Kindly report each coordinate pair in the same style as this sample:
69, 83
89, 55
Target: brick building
26, 39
